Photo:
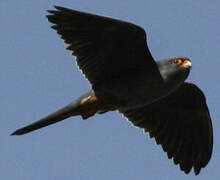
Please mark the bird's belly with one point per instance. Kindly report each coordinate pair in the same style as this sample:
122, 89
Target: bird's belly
132, 92
141, 95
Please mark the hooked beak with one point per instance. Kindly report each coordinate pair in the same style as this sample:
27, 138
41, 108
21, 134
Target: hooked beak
186, 64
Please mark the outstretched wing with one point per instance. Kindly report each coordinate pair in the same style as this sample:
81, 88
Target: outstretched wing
104, 47
181, 123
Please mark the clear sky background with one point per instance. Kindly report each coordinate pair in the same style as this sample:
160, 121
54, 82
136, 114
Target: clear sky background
38, 76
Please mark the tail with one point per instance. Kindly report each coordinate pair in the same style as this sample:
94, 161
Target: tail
72, 109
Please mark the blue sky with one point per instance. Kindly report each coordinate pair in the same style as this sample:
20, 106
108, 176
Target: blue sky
39, 76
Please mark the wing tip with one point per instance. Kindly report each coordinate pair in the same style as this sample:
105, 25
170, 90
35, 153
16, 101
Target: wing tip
59, 7
197, 171
52, 12
62, 9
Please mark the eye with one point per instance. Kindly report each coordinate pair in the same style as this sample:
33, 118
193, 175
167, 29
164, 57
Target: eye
177, 61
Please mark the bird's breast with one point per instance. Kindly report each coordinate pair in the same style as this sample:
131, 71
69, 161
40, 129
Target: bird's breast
133, 90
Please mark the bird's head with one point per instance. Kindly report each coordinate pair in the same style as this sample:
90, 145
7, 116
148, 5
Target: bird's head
174, 70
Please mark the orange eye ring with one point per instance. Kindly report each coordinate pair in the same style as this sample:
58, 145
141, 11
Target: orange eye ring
177, 61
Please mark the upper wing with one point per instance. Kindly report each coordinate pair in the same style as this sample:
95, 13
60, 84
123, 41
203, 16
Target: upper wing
181, 123
104, 47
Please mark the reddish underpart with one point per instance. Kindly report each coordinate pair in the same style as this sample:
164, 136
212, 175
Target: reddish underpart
89, 106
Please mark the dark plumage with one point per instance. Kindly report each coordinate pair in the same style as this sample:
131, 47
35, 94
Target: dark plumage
114, 57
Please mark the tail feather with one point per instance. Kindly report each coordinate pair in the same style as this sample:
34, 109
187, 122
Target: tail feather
72, 109
61, 114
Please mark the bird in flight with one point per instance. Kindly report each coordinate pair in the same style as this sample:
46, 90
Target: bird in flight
153, 95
